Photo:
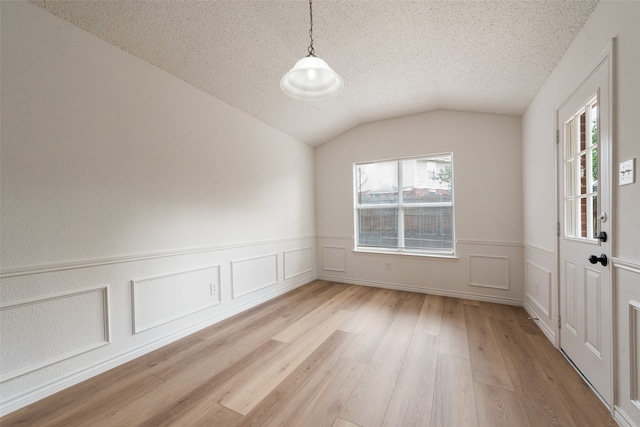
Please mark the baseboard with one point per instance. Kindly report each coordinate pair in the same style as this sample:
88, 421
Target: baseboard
422, 290
622, 418
551, 335
86, 373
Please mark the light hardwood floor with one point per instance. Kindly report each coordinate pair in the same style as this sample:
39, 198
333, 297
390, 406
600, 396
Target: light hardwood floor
330, 354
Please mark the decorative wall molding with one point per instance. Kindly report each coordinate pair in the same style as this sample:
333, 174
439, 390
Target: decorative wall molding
76, 307
334, 258
334, 236
458, 241
619, 415
168, 297
489, 271
622, 418
422, 290
488, 243
634, 352
297, 262
626, 264
539, 279
252, 274
72, 265
540, 250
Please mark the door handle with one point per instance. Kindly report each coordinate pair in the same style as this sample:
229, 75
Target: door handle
602, 259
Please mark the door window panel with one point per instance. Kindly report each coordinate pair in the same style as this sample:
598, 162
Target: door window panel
581, 173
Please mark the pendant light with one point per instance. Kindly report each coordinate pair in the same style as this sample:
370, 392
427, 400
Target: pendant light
311, 78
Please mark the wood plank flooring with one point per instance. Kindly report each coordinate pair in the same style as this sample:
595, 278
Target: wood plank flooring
336, 355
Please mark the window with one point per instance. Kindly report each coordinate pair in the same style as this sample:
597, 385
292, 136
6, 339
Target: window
405, 205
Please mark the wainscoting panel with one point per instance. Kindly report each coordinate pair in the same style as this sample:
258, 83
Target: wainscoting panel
538, 286
252, 274
297, 262
57, 319
334, 258
541, 289
634, 346
480, 270
626, 409
489, 271
168, 297
48, 330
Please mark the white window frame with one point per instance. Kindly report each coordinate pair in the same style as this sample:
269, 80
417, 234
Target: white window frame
401, 205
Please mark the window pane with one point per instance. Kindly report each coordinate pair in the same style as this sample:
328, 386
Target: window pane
429, 228
583, 217
377, 183
583, 174
427, 180
583, 131
571, 142
570, 218
378, 227
594, 170
570, 170
594, 215
594, 124
594, 150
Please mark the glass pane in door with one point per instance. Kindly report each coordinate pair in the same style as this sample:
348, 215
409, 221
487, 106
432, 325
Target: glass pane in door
581, 172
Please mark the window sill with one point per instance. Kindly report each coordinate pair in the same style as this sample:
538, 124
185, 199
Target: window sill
444, 256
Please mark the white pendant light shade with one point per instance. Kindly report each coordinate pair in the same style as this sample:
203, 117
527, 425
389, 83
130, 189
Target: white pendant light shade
311, 79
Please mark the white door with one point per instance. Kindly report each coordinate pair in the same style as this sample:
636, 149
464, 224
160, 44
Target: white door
584, 129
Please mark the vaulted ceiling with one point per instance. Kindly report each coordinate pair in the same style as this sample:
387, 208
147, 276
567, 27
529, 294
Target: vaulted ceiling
396, 57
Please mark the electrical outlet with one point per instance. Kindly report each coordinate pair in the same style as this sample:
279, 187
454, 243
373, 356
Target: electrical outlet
627, 172
214, 288
387, 266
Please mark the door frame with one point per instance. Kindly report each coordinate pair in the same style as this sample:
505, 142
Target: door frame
606, 58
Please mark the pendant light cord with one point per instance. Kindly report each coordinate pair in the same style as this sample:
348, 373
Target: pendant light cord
311, 50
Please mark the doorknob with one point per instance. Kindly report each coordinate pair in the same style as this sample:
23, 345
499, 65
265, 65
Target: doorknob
602, 258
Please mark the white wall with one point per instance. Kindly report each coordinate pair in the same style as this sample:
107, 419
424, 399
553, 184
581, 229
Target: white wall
610, 19
135, 208
488, 204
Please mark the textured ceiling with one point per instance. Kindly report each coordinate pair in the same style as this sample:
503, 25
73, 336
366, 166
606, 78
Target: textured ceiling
396, 57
